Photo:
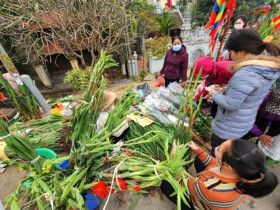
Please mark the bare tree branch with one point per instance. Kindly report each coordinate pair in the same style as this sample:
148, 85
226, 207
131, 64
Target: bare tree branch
45, 27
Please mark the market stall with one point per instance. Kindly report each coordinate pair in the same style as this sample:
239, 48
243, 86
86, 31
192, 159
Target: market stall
97, 166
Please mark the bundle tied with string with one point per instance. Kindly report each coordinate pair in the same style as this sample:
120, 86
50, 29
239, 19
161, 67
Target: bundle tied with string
140, 171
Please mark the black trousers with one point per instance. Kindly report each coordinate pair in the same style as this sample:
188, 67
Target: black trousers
167, 190
215, 142
262, 123
214, 109
168, 81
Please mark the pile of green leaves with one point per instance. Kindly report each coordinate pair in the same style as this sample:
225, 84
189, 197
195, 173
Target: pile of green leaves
45, 133
20, 146
92, 156
25, 103
84, 118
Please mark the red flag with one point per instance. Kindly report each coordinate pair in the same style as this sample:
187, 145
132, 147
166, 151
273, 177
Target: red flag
169, 4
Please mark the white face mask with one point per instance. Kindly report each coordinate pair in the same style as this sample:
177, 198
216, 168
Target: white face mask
218, 162
238, 26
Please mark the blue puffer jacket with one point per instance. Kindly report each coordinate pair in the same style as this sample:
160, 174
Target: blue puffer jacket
245, 92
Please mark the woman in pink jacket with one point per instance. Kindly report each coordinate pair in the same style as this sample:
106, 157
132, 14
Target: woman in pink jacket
213, 73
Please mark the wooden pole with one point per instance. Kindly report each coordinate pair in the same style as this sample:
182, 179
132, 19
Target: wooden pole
11, 66
223, 37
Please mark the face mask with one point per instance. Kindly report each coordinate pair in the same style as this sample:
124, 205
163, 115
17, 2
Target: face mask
238, 26
218, 162
177, 47
204, 77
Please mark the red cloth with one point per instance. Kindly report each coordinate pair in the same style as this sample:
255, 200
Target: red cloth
217, 71
169, 4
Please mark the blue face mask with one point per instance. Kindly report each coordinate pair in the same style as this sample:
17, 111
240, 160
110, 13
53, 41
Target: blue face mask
177, 47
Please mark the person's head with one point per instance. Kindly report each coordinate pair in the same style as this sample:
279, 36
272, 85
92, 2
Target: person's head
176, 43
240, 22
245, 159
109, 101
206, 64
249, 42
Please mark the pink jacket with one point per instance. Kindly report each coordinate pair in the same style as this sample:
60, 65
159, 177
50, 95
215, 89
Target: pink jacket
217, 71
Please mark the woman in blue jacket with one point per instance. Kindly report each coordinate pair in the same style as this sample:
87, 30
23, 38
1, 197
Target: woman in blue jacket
256, 67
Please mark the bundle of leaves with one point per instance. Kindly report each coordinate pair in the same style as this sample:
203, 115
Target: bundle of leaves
78, 78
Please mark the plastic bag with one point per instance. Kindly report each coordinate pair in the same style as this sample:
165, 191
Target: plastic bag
144, 89
274, 151
160, 81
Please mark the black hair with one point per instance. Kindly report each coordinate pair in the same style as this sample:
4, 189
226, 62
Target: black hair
176, 37
250, 41
244, 18
249, 163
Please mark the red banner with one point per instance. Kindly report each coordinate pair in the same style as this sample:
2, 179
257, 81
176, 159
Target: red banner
169, 4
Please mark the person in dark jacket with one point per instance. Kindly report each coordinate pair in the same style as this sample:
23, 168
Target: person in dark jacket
175, 63
269, 111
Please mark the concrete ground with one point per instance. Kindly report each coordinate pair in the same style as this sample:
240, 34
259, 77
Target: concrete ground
154, 200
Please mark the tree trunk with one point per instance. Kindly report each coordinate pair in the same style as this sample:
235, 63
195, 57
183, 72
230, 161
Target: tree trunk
128, 46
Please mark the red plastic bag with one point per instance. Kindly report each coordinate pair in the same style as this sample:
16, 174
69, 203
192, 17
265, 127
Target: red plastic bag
2, 97
160, 81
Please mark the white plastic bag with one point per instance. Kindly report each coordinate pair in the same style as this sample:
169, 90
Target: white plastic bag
274, 151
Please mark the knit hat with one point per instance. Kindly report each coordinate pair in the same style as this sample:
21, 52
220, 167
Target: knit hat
109, 99
273, 102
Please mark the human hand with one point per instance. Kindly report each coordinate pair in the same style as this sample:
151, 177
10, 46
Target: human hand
193, 146
210, 100
174, 149
220, 89
211, 92
266, 140
183, 84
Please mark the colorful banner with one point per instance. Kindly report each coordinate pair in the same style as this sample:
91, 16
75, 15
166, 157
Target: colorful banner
223, 9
